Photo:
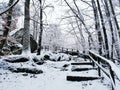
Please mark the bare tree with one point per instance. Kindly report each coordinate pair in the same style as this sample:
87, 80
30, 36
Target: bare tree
10, 7
8, 23
104, 30
41, 29
78, 15
107, 11
26, 33
117, 27
97, 26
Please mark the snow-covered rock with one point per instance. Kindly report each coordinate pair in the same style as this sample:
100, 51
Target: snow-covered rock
18, 35
60, 57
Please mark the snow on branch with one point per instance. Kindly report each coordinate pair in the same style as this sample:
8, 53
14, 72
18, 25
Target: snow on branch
9, 7
86, 3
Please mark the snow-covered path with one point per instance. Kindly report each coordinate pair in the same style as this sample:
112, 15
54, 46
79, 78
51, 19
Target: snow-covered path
53, 78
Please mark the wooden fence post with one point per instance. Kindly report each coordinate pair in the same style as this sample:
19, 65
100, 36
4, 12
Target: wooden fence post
72, 50
62, 49
93, 58
99, 72
67, 49
77, 51
45, 48
48, 48
112, 74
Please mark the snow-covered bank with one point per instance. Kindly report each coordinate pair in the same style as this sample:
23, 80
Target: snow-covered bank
56, 67
53, 78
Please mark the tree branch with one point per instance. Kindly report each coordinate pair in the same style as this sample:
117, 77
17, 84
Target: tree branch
9, 7
87, 3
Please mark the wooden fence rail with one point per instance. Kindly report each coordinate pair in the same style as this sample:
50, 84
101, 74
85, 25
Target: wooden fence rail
59, 49
113, 69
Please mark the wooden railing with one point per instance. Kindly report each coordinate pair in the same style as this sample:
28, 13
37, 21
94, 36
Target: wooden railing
59, 49
111, 71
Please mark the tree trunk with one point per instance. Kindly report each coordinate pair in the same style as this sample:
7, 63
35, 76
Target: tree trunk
26, 33
41, 29
104, 31
119, 2
79, 25
107, 11
9, 17
97, 26
117, 26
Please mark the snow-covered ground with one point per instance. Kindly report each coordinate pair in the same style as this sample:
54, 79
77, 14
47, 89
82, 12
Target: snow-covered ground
52, 78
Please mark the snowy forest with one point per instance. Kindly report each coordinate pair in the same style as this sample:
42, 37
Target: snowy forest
59, 44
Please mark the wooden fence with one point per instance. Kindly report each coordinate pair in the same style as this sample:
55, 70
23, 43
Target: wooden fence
112, 70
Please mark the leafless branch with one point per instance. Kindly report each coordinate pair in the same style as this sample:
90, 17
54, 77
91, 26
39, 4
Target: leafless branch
9, 7
87, 3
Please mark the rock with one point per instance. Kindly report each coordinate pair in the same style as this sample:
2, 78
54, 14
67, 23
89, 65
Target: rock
33, 44
39, 62
25, 74
16, 49
35, 59
1, 53
52, 59
46, 57
59, 58
18, 35
5, 51
66, 65
33, 76
11, 48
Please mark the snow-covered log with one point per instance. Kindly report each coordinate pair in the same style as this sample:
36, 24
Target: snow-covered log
16, 59
26, 70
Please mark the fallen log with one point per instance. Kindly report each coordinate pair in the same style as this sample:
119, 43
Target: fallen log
26, 70
16, 59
